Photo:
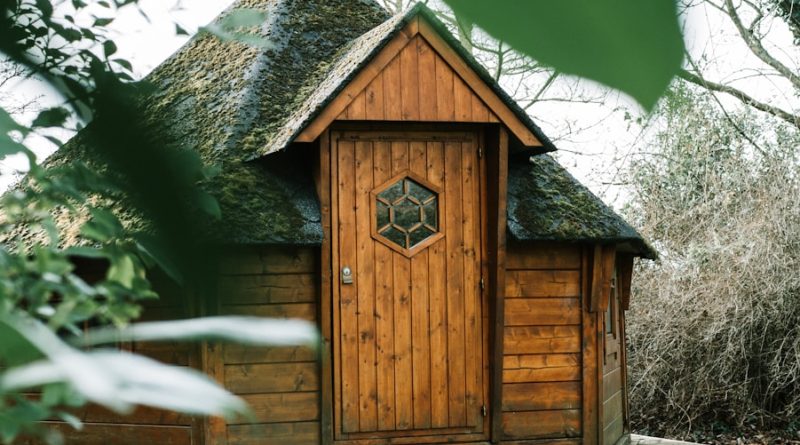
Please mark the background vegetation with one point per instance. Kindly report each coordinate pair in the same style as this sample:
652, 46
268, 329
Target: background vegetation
714, 325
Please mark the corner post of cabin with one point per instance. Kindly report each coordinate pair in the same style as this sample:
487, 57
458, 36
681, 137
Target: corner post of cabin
590, 344
214, 429
497, 182
322, 179
604, 359
624, 280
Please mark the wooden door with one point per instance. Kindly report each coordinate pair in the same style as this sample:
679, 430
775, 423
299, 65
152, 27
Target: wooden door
409, 337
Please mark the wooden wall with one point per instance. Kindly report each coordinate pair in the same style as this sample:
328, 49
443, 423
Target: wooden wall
280, 384
418, 85
613, 394
145, 425
542, 343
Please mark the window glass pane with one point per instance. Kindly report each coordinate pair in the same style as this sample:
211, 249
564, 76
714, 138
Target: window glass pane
407, 213
421, 234
392, 193
395, 235
383, 215
418, 191
430, 214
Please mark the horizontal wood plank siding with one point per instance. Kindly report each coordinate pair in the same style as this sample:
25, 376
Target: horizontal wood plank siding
280, 433
418, 85
144, 424
542, 344
281, 384
118, 434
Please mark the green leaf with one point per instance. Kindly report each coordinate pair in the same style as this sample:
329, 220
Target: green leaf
240, 18
123, 63
109, 48
102, 227
179, 30
7, 123
86, 252
9, 146
70, 419
632, 45
208, 204
248, 330
160, 254
120, 381
99, 22
122, 271
15, 347
52, 117
229, 28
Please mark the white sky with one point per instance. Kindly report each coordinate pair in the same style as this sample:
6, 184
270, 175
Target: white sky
594, 156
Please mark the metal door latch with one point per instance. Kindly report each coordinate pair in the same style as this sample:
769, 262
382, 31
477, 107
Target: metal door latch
347, 275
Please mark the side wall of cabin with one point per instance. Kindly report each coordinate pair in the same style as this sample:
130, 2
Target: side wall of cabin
541, 372
144, 425
281, 384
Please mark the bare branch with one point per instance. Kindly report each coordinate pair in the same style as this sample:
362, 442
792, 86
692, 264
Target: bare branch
755, 46
745, 98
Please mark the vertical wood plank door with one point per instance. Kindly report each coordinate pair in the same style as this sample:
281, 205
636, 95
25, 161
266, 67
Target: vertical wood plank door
407, 299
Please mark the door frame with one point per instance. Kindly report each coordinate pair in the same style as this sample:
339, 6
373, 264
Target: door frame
327, 185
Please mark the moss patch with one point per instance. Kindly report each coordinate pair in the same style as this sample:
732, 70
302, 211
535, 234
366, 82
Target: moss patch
546, 203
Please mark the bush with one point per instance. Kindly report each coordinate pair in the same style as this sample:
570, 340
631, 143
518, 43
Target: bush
714, 325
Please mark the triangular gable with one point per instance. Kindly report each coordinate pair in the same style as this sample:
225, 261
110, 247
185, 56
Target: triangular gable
419, 76
418, 85
354, 67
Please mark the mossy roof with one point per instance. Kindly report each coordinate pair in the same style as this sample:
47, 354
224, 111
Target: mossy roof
546, 203
241, 106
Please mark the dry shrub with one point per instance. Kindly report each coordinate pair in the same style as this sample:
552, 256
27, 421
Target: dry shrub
714, 325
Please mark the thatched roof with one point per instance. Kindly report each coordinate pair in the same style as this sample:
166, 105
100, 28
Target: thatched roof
546, 203
239, 106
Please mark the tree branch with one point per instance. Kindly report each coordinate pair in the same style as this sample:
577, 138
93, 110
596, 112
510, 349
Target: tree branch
757, 48
745, 98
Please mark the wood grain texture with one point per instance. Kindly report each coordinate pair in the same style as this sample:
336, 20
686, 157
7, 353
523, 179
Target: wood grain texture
268, 289
541, 396
542, 311
541, 368
495, 222
282, 407
238, 354
417, 318
546, 255
543, 283
417, 85
294, 433
302, 311
590, 347
541, 339
272, 260
324, 184
271, 378
121, 434
535, 424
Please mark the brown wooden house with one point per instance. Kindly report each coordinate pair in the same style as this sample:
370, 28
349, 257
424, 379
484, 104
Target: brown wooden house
379, 182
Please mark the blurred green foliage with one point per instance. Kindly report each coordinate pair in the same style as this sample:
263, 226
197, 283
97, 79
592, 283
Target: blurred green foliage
631, 45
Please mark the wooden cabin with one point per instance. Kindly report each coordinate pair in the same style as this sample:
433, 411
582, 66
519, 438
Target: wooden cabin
378, 181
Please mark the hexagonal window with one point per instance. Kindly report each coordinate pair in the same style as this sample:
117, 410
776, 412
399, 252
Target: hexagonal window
406, 212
